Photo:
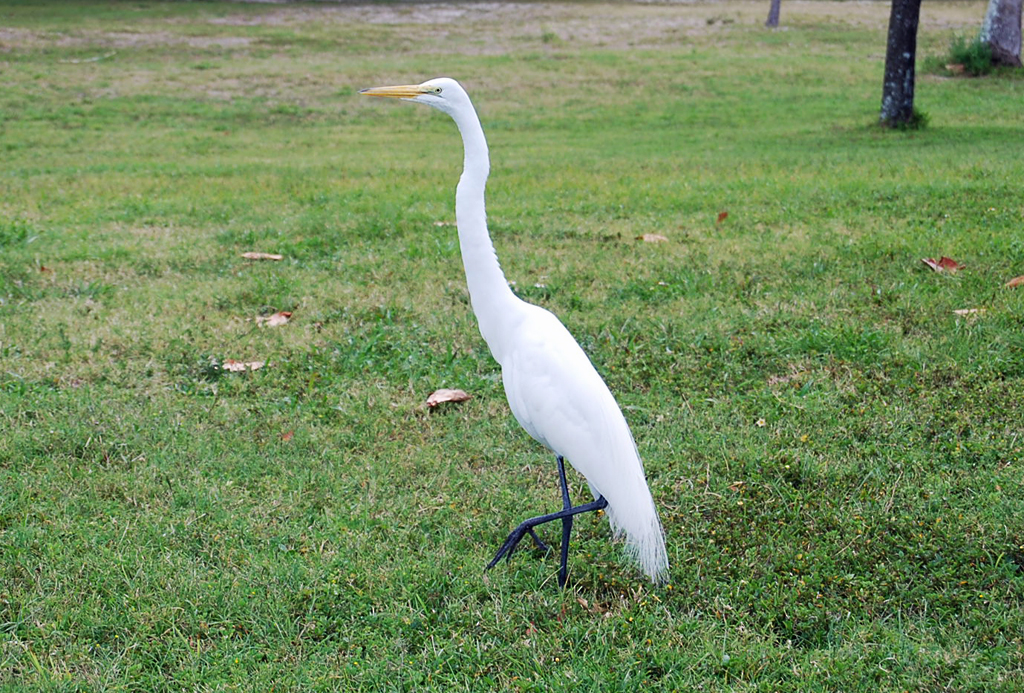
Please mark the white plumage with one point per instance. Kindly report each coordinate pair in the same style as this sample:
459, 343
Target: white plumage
552, 387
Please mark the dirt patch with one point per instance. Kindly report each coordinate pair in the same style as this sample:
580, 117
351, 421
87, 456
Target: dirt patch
502, 25
495, 27
649, 16
390, 13
161, 38
26, 39
589, 24
14, 35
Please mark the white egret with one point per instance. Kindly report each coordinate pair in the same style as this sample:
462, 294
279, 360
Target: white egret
553, 389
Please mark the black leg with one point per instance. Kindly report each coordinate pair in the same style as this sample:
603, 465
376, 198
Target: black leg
536, 540
565, 515
563, 568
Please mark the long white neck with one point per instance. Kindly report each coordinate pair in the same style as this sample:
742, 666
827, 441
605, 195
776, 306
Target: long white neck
492, 299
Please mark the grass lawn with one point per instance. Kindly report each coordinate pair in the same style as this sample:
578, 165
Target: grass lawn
837, 456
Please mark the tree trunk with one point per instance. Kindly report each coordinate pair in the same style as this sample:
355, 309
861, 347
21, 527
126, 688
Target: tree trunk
1001, 31
898, 88
773, 14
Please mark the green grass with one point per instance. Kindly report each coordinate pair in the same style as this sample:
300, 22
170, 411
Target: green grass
836, 455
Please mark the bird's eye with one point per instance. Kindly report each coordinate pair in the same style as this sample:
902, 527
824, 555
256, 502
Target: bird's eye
436, 90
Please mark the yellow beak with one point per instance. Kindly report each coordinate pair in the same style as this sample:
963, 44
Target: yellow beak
406, 91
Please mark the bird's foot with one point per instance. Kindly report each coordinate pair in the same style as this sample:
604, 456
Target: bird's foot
526, 527
537, 541
514, 537
565, 515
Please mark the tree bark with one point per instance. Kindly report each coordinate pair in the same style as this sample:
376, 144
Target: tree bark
900, 51
773, 14
1001, 31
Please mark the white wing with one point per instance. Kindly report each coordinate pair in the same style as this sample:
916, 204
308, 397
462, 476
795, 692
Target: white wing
558, 397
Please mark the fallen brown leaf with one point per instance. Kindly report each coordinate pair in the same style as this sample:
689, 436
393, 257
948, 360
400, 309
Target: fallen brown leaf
595, 609
722, 216
275, 320
237, 366
943, 264
1016, 281
445, 395
955, 68
287, 436
262, 256
651, 238
44, 268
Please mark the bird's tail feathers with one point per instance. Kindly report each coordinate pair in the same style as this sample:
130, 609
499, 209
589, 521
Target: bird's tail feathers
618, 475
644, 539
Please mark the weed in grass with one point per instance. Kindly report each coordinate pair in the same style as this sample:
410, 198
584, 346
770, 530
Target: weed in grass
15, 231
974, 55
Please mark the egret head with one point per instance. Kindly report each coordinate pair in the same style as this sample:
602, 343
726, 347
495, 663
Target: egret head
442, 93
